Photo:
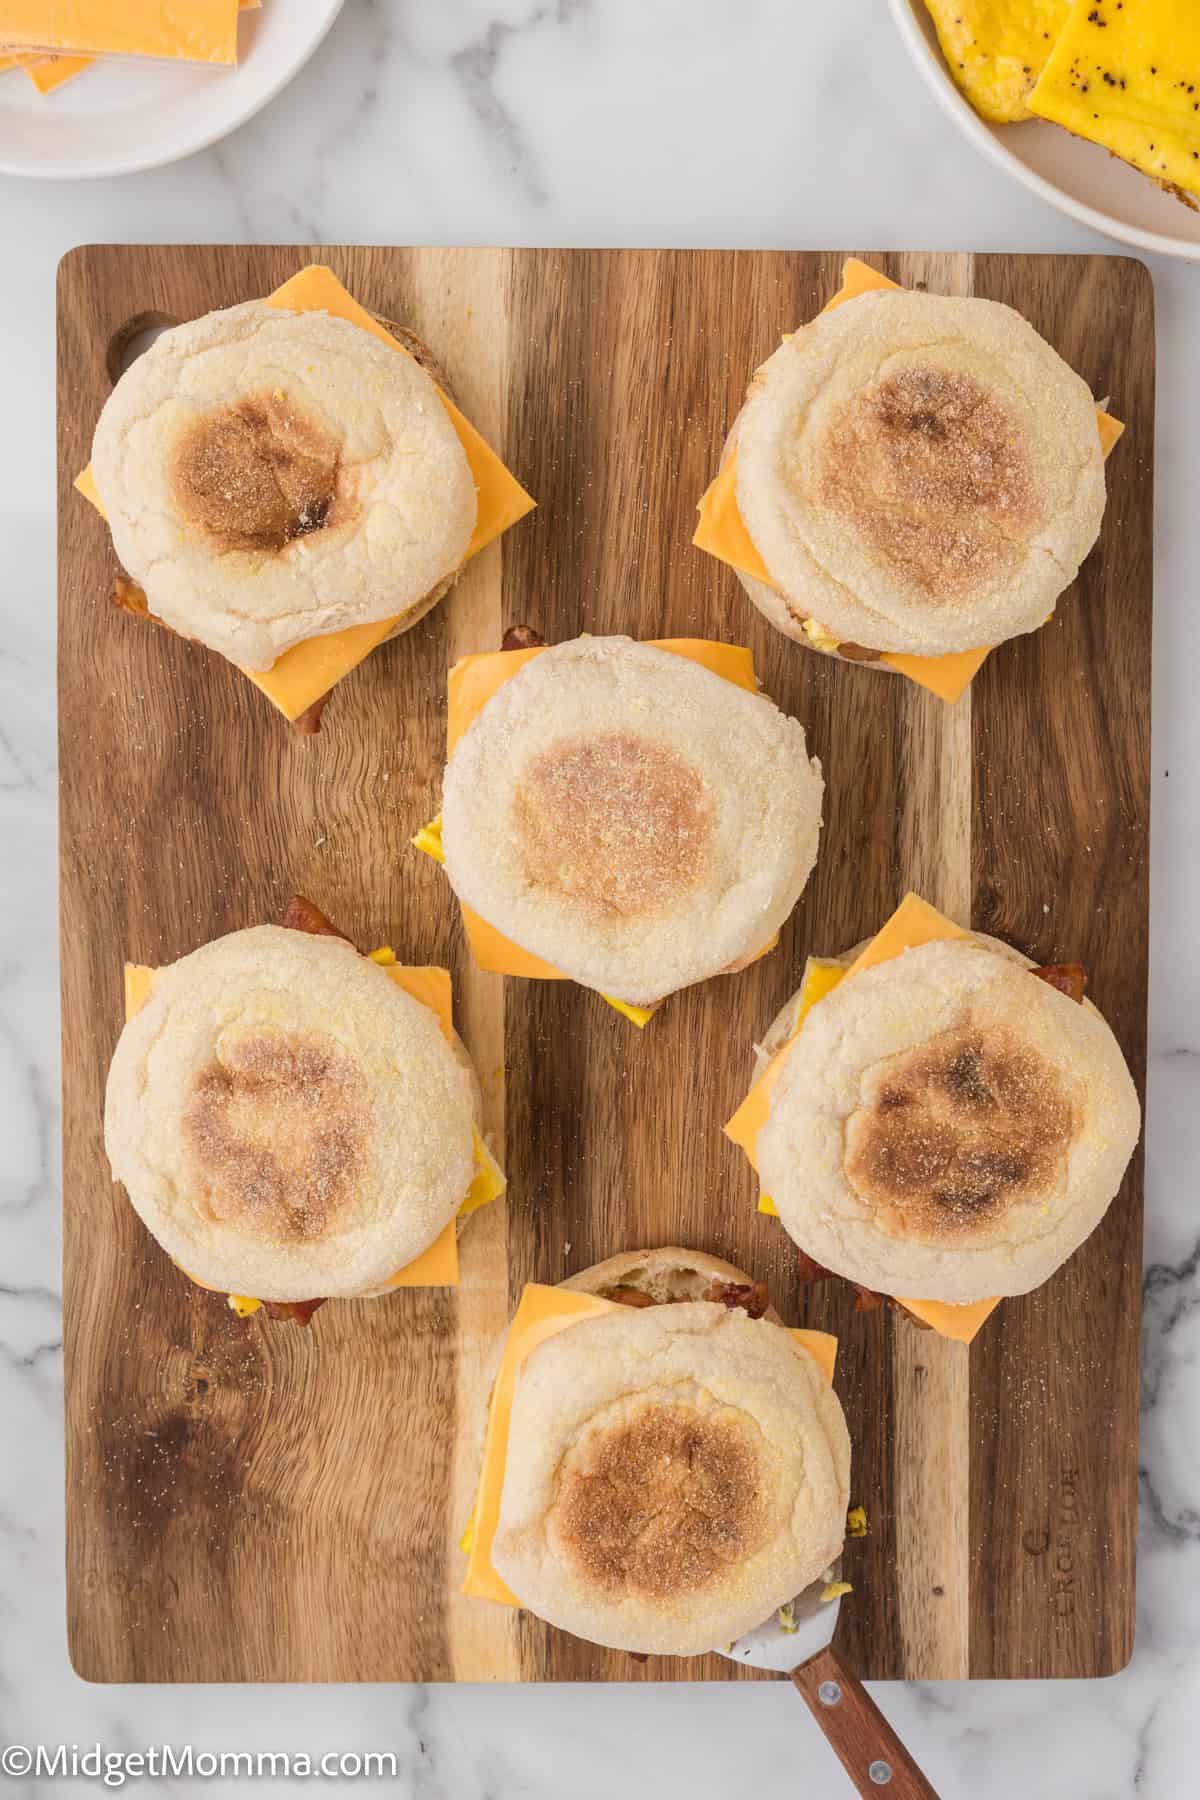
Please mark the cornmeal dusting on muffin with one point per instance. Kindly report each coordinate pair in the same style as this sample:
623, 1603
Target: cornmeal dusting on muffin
661, 1504
929, 467
619, 822
257, 474
957, 1131
277, 1129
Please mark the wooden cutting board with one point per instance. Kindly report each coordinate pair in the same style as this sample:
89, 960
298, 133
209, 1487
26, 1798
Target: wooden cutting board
254, 1502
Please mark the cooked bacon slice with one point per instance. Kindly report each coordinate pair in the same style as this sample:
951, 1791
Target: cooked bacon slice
522, 637
808, 1269
629, 1296
867, 1300
857, 652
300, 1310
1069, 978
308, 723
301, 915
750, 1296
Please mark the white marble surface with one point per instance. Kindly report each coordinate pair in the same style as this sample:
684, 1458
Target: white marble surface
724, 122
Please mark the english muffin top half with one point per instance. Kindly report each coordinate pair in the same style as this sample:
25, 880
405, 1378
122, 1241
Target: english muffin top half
945, 1125
920, 473
286, 1120
271, 476
630, 817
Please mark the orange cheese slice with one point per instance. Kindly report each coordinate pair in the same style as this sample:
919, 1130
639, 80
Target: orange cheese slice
722, 532
202, 31
472, 683
307, 671
48, 73
542, 1314
913, 923
438, 1265
19, 60
476, 680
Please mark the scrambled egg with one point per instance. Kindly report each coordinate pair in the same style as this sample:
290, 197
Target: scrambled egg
1127, 77
833, 1590
996, 49
820, 636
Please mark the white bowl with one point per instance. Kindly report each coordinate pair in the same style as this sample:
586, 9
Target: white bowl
131, 113
1080, 179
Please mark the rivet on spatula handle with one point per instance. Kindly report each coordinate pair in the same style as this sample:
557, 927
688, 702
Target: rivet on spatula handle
870, 1752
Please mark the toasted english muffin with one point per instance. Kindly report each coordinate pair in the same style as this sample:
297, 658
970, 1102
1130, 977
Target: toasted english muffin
919, 474
945, 1126
287, 1121
675, 1472
271, 476
630, 817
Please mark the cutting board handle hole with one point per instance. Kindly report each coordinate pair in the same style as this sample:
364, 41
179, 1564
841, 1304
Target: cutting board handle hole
133, 339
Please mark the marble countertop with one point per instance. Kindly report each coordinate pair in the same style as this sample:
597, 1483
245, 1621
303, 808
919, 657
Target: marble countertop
766, 123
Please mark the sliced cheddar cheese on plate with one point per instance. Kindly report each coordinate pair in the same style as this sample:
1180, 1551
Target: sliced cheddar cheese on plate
202, 31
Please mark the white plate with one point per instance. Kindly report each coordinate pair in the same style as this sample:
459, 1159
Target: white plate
129, 113
1080, 179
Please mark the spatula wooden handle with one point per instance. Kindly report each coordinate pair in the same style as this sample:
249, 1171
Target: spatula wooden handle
871, 1753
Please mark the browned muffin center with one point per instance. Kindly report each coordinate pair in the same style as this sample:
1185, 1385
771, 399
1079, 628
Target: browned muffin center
276, 1129
952, 1134
616, 821
928, 468
660, 1504
257, 474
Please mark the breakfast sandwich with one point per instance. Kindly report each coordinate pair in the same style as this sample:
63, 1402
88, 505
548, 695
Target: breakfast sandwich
633, 817
935, 1115
664, 1464
289, 483
913, 479
296, 1122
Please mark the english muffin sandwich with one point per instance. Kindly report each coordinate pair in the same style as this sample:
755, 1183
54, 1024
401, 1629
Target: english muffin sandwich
937, 1116
294, 1121
622, 814
287, 484
664, 1464
913, 479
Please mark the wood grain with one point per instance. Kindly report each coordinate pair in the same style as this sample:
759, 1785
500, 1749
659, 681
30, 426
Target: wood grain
249, 1502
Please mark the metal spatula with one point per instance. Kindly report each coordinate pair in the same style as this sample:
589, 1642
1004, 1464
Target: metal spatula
870, 1752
